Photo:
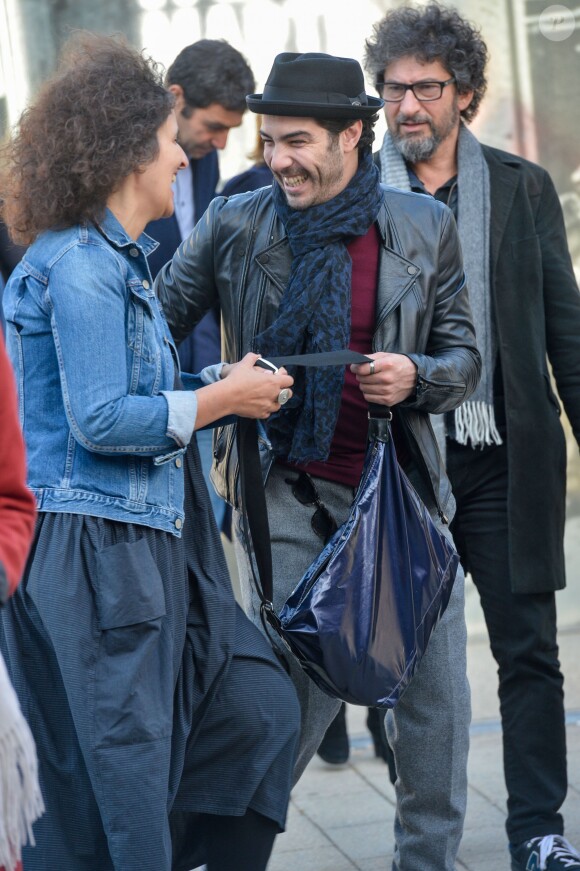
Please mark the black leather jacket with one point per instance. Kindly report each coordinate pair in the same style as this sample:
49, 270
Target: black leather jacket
239, 252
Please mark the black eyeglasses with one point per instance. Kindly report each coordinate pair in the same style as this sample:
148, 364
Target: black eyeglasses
322, 521
394, 92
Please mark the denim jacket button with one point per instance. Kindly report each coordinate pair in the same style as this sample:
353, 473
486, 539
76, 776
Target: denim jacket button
146, 284
411, 270
134, 252
178, 523
178, 462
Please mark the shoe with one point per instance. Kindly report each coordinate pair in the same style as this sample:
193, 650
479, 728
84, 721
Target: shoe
550, 853
376, 726
334, 747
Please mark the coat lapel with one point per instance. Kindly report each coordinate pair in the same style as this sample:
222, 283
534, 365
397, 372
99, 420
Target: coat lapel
504, 181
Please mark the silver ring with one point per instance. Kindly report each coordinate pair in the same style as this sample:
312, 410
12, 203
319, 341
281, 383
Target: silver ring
372, 367
283, 396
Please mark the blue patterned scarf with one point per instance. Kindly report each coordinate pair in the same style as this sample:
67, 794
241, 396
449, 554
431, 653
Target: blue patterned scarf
314, 314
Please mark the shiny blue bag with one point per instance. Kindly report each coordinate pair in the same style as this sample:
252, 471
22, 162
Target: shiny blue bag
360, 618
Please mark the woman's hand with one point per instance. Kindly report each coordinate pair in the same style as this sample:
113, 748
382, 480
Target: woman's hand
254, 390
244, 389
394, 378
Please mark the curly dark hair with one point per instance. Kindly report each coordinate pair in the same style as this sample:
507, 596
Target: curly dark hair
431, 33
212, 71
335, 126
93, 123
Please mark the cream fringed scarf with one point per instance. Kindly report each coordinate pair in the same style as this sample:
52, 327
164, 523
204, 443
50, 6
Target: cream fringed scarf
474, 419
20, 798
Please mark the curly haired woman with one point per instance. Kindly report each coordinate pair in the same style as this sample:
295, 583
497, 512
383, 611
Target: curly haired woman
165, 727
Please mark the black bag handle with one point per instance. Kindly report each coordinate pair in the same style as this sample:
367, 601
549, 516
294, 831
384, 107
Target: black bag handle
324, 358
253, 496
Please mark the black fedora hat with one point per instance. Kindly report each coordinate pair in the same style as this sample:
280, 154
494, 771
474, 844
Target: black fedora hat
315, 85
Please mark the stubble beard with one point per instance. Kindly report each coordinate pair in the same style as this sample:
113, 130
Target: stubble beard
327, 181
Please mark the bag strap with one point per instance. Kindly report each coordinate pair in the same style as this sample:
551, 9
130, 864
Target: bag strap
253, 496
253, 503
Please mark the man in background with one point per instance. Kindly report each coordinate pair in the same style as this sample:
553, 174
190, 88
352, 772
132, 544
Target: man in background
505, 447
210, 80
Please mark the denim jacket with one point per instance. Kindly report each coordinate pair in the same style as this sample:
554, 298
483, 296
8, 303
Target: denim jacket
95, 367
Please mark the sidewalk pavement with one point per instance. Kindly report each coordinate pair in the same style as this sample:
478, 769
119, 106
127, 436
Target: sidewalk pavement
341, 819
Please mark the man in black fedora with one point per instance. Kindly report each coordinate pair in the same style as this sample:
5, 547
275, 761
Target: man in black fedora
328, 258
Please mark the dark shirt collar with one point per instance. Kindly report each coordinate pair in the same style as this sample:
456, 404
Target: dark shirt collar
446, 194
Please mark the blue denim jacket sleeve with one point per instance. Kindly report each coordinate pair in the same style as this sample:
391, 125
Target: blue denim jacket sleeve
209, 375
182, 407
183, 404
110, 379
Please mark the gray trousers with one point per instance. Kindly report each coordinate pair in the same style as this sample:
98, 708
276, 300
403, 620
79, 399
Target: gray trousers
429, 728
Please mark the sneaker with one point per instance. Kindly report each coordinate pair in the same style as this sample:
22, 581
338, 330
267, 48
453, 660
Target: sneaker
550, 853
334, 747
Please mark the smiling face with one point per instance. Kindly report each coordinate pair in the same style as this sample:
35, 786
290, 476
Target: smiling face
156, 178
309, 164
419, 128
202, 130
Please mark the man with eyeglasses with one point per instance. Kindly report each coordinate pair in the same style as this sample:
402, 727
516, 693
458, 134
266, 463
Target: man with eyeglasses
323, 259
505, 447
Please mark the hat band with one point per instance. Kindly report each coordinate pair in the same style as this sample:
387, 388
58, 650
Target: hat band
291, 95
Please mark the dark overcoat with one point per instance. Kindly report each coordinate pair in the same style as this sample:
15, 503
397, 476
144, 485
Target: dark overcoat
537, 312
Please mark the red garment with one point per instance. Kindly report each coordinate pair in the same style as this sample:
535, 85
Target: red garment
17, 506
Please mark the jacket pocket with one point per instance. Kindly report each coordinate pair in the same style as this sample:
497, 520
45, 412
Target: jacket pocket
551, 395
527, 249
